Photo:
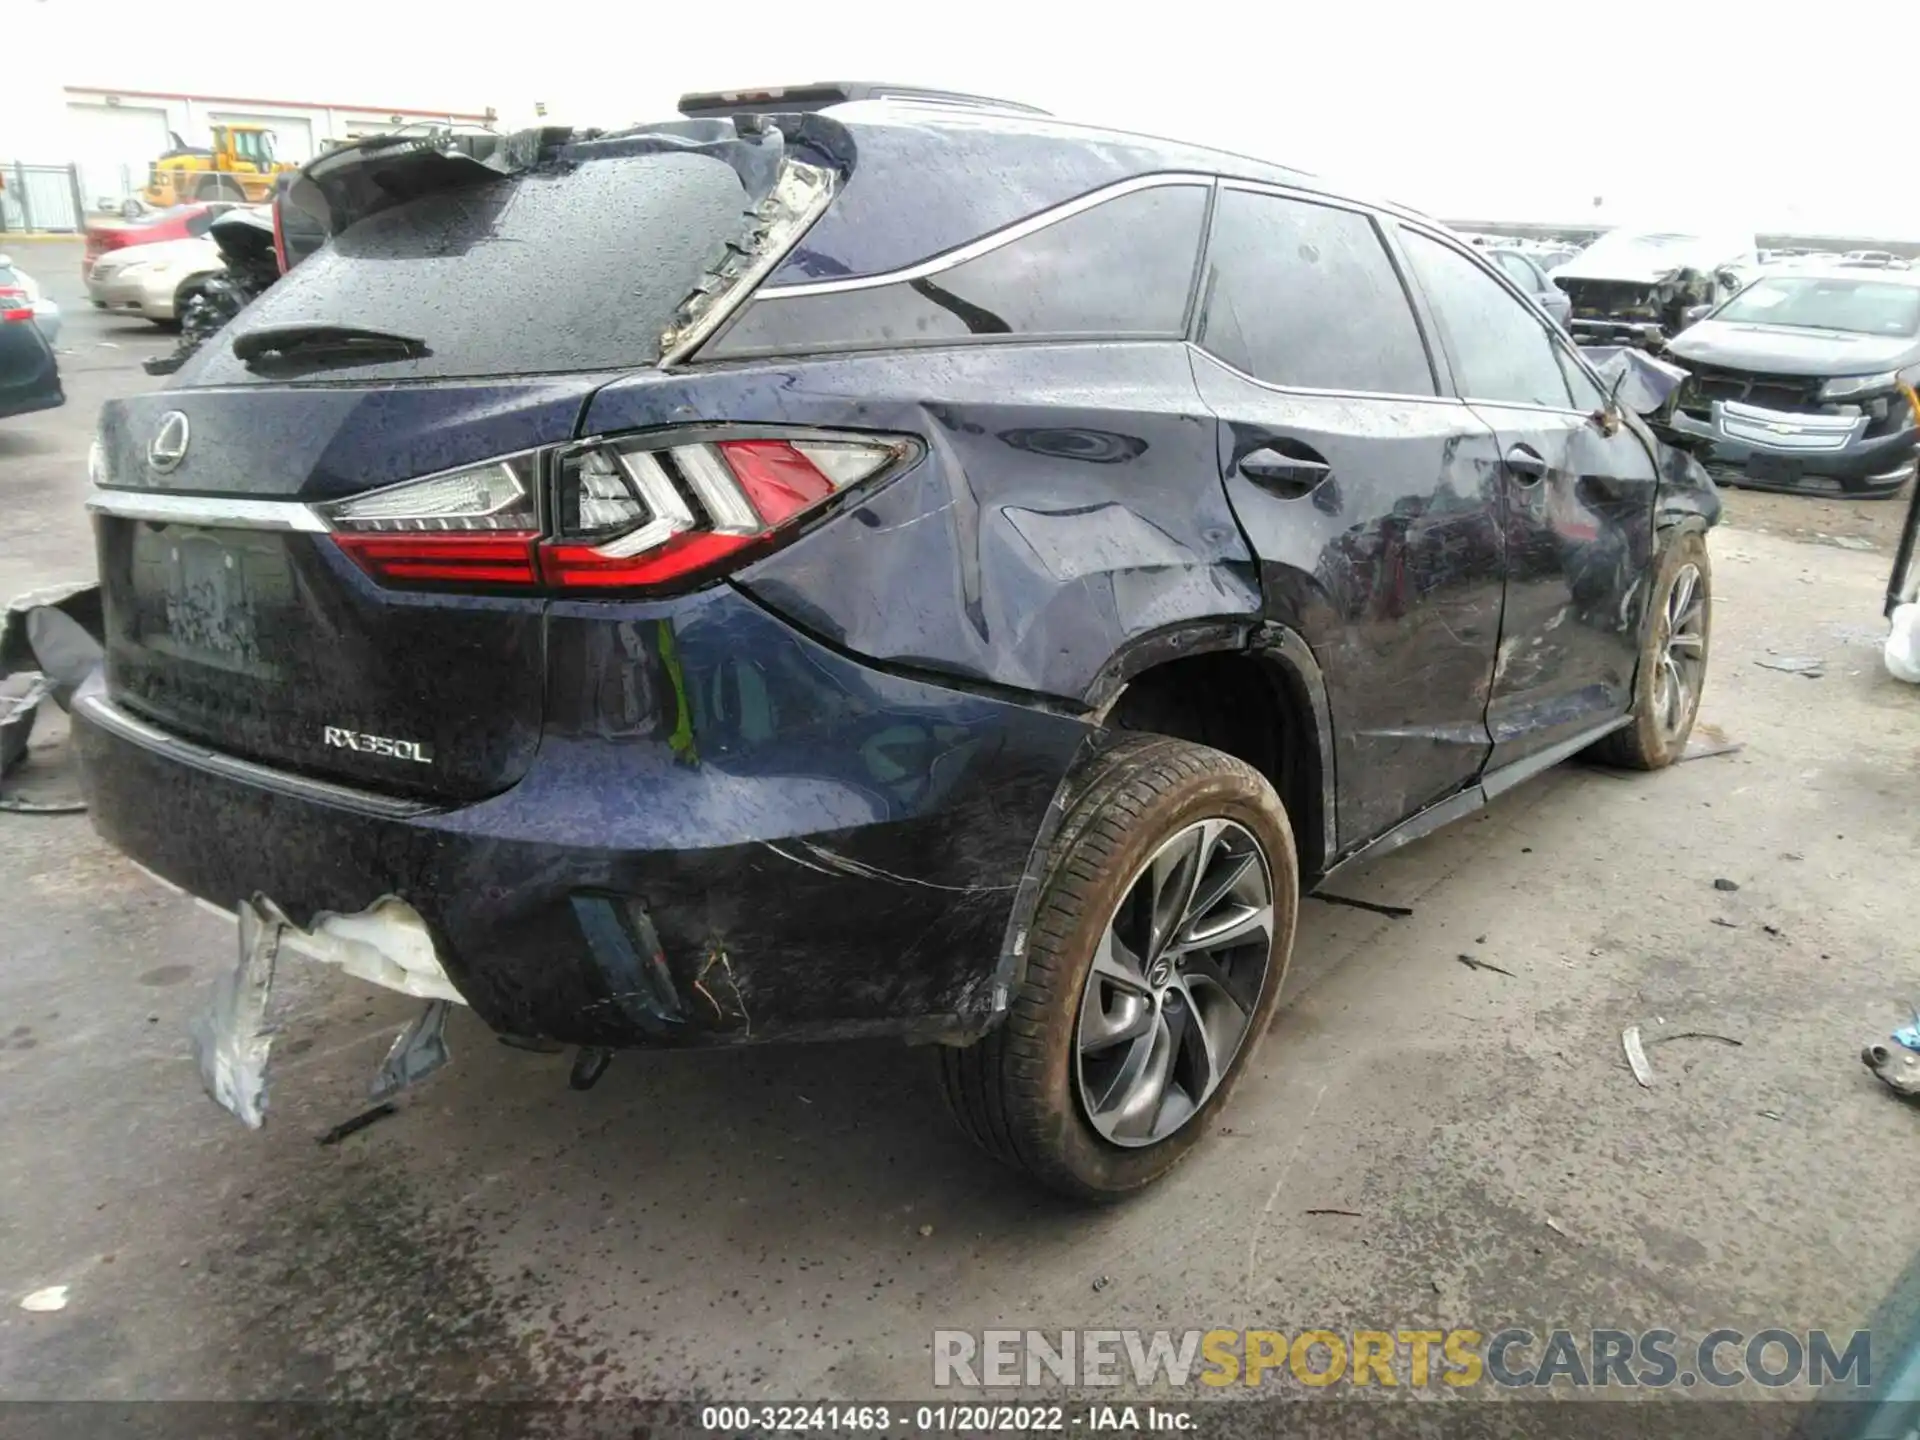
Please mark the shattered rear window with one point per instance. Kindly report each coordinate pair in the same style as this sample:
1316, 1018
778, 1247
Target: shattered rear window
554, 270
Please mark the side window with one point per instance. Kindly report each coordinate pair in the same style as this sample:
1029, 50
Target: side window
1587, 394
1520, 272
1123, 268
1304, 294
1500, 351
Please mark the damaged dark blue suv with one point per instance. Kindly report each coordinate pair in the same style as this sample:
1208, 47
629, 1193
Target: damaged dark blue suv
891, 567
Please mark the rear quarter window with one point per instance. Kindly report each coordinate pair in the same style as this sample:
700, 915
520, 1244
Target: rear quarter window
1123, 268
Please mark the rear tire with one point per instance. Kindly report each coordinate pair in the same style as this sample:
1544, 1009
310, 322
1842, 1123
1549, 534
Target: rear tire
1137, 813
1673, 652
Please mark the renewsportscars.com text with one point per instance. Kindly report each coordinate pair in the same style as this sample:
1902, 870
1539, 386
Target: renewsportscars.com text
1512, 1357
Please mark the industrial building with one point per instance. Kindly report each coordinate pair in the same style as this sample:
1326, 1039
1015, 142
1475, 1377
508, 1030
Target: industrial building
96, 143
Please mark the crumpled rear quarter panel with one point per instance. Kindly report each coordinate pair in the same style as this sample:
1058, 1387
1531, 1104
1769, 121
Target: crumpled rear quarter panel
1038, 538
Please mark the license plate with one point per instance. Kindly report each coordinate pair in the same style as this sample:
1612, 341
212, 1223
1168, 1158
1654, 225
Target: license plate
1776, 469
205, 592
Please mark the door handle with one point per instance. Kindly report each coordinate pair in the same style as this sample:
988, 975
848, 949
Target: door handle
1288, 476
1526, 465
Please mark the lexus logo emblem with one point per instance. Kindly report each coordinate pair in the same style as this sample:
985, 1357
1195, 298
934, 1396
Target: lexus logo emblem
169, 445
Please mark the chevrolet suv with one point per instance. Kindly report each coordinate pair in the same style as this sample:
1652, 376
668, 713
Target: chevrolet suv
886, 568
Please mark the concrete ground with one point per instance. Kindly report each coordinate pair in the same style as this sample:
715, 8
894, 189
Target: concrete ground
776, 1224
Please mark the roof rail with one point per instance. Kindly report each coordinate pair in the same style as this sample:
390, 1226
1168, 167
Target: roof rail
819, 94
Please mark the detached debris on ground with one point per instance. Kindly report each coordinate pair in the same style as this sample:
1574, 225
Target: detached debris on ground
1396, 912
48, 644
1636, 1048
1811, 666
1897, 1064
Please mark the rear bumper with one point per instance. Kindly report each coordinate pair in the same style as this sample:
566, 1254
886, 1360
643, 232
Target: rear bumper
1875, 466
851, 861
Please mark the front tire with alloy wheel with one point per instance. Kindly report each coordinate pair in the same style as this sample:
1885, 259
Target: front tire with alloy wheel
1154, 965
1672, 670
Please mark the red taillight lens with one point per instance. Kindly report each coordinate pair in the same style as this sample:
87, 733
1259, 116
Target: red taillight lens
626, 514
477, 526
15, 306
504, 558
778, 480
672, 561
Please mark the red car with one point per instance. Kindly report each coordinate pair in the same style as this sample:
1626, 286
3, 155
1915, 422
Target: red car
177, 222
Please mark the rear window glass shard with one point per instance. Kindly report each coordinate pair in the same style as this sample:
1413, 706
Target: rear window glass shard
1304, 295
563, 269
1123, 267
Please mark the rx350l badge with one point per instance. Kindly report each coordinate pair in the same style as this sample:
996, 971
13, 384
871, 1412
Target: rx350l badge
343, 739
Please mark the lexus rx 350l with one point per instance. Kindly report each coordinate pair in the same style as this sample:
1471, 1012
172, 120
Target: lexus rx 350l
900, 569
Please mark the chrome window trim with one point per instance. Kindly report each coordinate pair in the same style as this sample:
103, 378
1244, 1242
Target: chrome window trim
1401, 395
1294, 192
233, 512
1532, 405
988, 243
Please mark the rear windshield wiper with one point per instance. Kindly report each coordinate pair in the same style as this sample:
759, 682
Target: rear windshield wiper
341, 344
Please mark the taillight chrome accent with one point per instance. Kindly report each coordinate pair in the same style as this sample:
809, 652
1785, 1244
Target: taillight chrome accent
636, 513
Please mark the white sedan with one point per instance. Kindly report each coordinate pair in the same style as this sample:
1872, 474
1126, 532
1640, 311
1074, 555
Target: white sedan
152, 280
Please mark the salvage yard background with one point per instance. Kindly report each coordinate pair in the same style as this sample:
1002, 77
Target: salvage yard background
786, 1223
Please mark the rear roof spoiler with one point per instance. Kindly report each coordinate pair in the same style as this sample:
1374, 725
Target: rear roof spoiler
819, 94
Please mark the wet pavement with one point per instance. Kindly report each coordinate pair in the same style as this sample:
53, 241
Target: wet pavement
778, 1223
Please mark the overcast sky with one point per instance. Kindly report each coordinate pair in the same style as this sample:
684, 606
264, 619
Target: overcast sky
1688, 112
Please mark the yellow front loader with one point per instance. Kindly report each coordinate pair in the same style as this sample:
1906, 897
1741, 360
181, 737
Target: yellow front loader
239, 166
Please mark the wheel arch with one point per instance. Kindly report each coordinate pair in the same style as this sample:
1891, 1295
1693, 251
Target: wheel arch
1251, 689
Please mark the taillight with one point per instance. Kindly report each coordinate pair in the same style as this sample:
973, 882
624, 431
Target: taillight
631, 514
15, 306
473, 526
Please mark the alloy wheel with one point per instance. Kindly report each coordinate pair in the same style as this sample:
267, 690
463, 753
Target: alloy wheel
1683, 655
1176, 977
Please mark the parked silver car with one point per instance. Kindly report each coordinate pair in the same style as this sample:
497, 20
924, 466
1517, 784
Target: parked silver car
154, 281
46, 314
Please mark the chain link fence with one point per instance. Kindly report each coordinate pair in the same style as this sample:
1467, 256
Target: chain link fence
40, 197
